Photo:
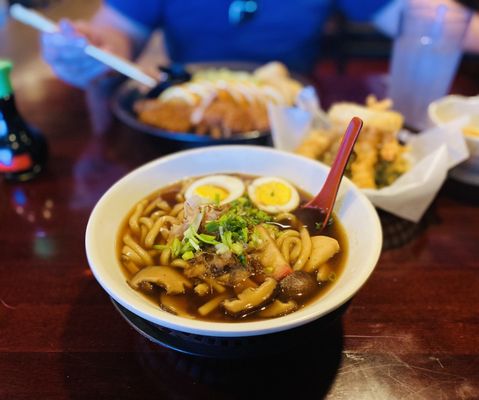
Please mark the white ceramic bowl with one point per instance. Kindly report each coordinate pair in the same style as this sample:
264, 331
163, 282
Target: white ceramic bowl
452, 107
355, 211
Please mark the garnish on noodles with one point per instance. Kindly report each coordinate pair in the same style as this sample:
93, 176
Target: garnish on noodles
200, 257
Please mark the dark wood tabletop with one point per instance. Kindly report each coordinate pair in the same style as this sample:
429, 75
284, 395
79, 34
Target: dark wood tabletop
412, 332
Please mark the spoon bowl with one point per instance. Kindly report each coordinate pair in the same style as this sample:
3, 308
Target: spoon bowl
320, 207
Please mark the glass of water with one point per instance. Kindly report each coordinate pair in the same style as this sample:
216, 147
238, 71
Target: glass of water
425, 57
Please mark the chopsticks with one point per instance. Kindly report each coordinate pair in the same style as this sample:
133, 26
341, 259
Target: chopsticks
43, 24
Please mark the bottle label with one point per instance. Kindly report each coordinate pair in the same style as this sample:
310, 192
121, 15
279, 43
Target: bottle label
19, 162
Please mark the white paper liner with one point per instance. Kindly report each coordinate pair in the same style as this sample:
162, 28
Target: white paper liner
433, 153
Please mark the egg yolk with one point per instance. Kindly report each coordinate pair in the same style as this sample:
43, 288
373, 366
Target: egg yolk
211, 192
273, 193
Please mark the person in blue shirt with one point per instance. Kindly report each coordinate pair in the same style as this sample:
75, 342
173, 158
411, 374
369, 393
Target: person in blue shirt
194, 31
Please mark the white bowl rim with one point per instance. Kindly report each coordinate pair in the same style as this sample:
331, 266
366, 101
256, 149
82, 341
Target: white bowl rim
451, 98
239, 329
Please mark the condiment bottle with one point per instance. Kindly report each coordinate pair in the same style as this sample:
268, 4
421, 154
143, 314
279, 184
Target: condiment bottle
23, 151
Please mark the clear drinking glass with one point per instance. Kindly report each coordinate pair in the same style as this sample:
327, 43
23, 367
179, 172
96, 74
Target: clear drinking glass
425, 57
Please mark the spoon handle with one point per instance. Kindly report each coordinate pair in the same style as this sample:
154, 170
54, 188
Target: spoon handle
325, 199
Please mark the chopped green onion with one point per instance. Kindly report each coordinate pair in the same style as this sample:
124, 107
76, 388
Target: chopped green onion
237, 248
187, 256
242, 259
244, 234
221, 248
190, 234
208, 239
212, 226
232, 231
194, 243
175, 247
226, 239
185, 247
255, 240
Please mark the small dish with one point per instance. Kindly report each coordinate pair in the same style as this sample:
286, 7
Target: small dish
455, 107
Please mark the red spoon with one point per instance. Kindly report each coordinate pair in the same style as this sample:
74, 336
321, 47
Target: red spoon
321, 206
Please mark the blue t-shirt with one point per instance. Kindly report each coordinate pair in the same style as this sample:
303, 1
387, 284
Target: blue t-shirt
284, 30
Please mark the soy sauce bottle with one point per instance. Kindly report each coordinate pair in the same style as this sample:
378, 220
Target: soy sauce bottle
23, 151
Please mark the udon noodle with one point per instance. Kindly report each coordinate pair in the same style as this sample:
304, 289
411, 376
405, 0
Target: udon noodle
228, 260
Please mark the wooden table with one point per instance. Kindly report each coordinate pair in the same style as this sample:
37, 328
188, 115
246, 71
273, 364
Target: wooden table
412, 332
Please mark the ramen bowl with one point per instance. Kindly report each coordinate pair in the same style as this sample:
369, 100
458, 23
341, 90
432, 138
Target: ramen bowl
355, 212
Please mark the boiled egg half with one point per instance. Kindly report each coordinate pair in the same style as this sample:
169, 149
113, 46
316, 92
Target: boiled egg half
220, 189
274, 195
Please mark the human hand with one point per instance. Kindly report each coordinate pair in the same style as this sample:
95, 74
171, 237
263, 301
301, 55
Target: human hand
65, 52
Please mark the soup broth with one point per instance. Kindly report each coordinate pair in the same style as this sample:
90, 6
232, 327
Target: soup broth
227, 259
